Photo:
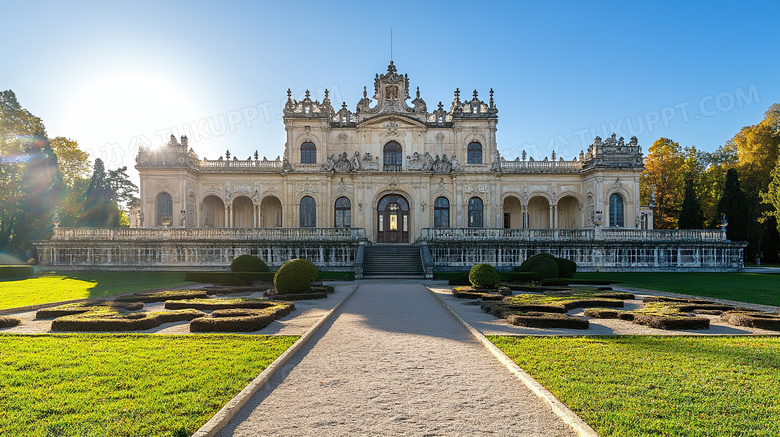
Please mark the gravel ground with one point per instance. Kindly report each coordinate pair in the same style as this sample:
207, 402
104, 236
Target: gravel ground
393, 361
307, 312
470, 311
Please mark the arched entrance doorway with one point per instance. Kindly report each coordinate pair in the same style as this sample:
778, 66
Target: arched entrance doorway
392, 219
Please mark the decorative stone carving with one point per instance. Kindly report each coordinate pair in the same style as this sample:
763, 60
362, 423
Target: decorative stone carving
307, 187
475, 188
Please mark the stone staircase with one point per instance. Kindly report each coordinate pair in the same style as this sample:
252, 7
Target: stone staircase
392, 261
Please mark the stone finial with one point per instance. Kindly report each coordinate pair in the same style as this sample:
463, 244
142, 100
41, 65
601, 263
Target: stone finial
365, 93
227, 154
475, 94
343, 105
326, 94
289, 95
184, 140
308, 94
418, 92
492, 104
441, 106
256, 155
457, 94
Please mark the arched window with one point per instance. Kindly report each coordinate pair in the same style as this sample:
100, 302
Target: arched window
164, 209
616, 211
474, 153
441, 213
392, 155
343, 213
308, 212
308, 153
475, 212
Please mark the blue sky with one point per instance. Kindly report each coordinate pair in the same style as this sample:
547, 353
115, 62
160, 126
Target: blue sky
113, 76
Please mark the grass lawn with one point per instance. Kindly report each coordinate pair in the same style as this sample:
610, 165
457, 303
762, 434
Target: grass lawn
760, 288
62, 286
659, 386
124, 385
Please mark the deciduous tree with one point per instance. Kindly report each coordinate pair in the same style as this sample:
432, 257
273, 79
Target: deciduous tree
663, 172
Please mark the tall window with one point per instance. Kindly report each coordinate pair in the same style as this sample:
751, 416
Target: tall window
616, 211
474, 153
392, 155
308, 153
475, 212
343, 213
308, 212
164, 209
441, 213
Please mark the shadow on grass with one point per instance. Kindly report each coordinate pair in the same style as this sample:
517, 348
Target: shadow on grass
112, 283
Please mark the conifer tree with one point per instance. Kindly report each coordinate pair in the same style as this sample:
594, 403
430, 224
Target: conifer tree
734, 205
691, 216
100, 207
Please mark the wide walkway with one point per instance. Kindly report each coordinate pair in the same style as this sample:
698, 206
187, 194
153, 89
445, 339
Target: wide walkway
393, 361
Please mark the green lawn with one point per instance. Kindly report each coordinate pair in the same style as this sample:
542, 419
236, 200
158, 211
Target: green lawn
760, 288
659, 386
124, 385
62, 286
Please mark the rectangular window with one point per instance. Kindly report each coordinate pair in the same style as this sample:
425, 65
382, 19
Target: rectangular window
381, 223
394, 222
406, 223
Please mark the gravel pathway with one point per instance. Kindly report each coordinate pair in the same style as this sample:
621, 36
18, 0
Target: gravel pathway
393, 361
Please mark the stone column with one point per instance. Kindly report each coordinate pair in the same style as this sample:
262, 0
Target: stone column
555, 217
255, 216
550, 209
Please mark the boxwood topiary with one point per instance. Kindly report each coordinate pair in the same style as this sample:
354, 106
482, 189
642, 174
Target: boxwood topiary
543, 266
295, 276
9, 322
566, 267
248, 263
484, 276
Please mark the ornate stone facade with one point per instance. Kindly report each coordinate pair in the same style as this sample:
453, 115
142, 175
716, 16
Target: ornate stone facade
439, 169
391, 172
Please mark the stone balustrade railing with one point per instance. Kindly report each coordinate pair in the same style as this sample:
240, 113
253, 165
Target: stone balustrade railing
540, 166
256, 165
611, 234
222, 234
585, 235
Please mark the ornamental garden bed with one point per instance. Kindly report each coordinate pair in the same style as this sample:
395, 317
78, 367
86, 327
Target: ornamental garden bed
536, 319
549, 310
211, 291
109, 319
162, 296
219, 304
481, 293
241, 319
85, 307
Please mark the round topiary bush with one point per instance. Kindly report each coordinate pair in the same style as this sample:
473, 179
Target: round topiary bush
542, 266
248, 263
566, 267
484, 276
295, 276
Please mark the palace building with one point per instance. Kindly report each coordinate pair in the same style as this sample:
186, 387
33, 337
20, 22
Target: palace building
393, 171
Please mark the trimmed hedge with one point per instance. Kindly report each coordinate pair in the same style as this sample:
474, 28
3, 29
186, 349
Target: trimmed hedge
321, 294
533, 319
211, 291
337, 276
555, 282
219, 304
248, 263
85, 307
666, 321
16, 272
229, 278
752, 319
542, 266
602, 313
484, 275
9, 322
592, 282
121, 321
622, 295
240, 320
476, 293
566, 267
295, 276
518, 277
162, 296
